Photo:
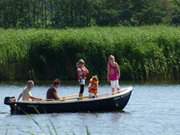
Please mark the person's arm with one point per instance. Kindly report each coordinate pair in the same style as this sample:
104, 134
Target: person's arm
108, 71
87, 71
35, 98
55, 95
90, 82
79, 73
89, 85
20, 95
118, 69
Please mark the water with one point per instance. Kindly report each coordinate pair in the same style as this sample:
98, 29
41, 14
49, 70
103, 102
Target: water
152, 110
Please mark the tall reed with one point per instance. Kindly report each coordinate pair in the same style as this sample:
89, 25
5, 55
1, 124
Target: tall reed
144, 53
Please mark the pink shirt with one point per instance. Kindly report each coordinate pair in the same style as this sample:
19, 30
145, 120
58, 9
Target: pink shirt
82, 72
113, 72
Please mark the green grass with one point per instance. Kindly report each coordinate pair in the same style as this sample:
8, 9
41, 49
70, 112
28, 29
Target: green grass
144, 53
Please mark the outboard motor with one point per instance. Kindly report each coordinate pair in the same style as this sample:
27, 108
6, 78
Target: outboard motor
9, 100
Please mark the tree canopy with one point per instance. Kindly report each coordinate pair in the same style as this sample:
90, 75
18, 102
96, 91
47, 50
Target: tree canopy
83, 13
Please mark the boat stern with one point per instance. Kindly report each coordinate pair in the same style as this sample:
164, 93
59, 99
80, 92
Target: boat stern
11, 101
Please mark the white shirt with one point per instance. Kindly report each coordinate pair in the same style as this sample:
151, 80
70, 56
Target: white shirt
26, 94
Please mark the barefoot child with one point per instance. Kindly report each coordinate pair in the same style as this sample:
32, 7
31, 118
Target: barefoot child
93, 86
113, 74
82, 73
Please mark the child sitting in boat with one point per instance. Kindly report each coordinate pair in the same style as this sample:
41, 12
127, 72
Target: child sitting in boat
93, 86
52, 93
26, 95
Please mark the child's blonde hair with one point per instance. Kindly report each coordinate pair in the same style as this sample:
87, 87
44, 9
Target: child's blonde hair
95, 77
30, 82
80, 61
111, 57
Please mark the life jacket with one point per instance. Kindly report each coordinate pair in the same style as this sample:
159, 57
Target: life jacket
83, 73
93, 86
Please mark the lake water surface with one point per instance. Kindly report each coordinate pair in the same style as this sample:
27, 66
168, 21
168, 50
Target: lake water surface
152, 110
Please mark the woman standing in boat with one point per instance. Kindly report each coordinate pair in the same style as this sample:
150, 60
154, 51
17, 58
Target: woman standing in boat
52, 92
113, 74
82, 73
26, 95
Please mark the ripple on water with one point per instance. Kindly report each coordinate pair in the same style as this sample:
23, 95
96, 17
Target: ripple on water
152, 110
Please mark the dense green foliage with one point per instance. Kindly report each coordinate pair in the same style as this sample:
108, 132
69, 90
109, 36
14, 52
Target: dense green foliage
80, 13
144, 53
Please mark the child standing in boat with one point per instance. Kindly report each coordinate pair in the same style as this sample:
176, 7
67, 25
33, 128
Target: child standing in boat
82, 73
113, 74
93, 86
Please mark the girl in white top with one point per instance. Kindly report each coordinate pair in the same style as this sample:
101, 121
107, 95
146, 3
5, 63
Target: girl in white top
26, 94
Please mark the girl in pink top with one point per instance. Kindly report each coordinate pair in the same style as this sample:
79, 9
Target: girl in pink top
113, 74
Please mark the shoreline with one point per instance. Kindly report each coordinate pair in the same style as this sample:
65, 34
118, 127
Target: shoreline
103, 82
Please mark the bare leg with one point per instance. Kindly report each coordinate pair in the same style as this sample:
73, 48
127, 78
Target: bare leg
118, 87
81, 91
113, 91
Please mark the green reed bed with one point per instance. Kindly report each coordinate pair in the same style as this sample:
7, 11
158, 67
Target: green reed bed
144, 53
